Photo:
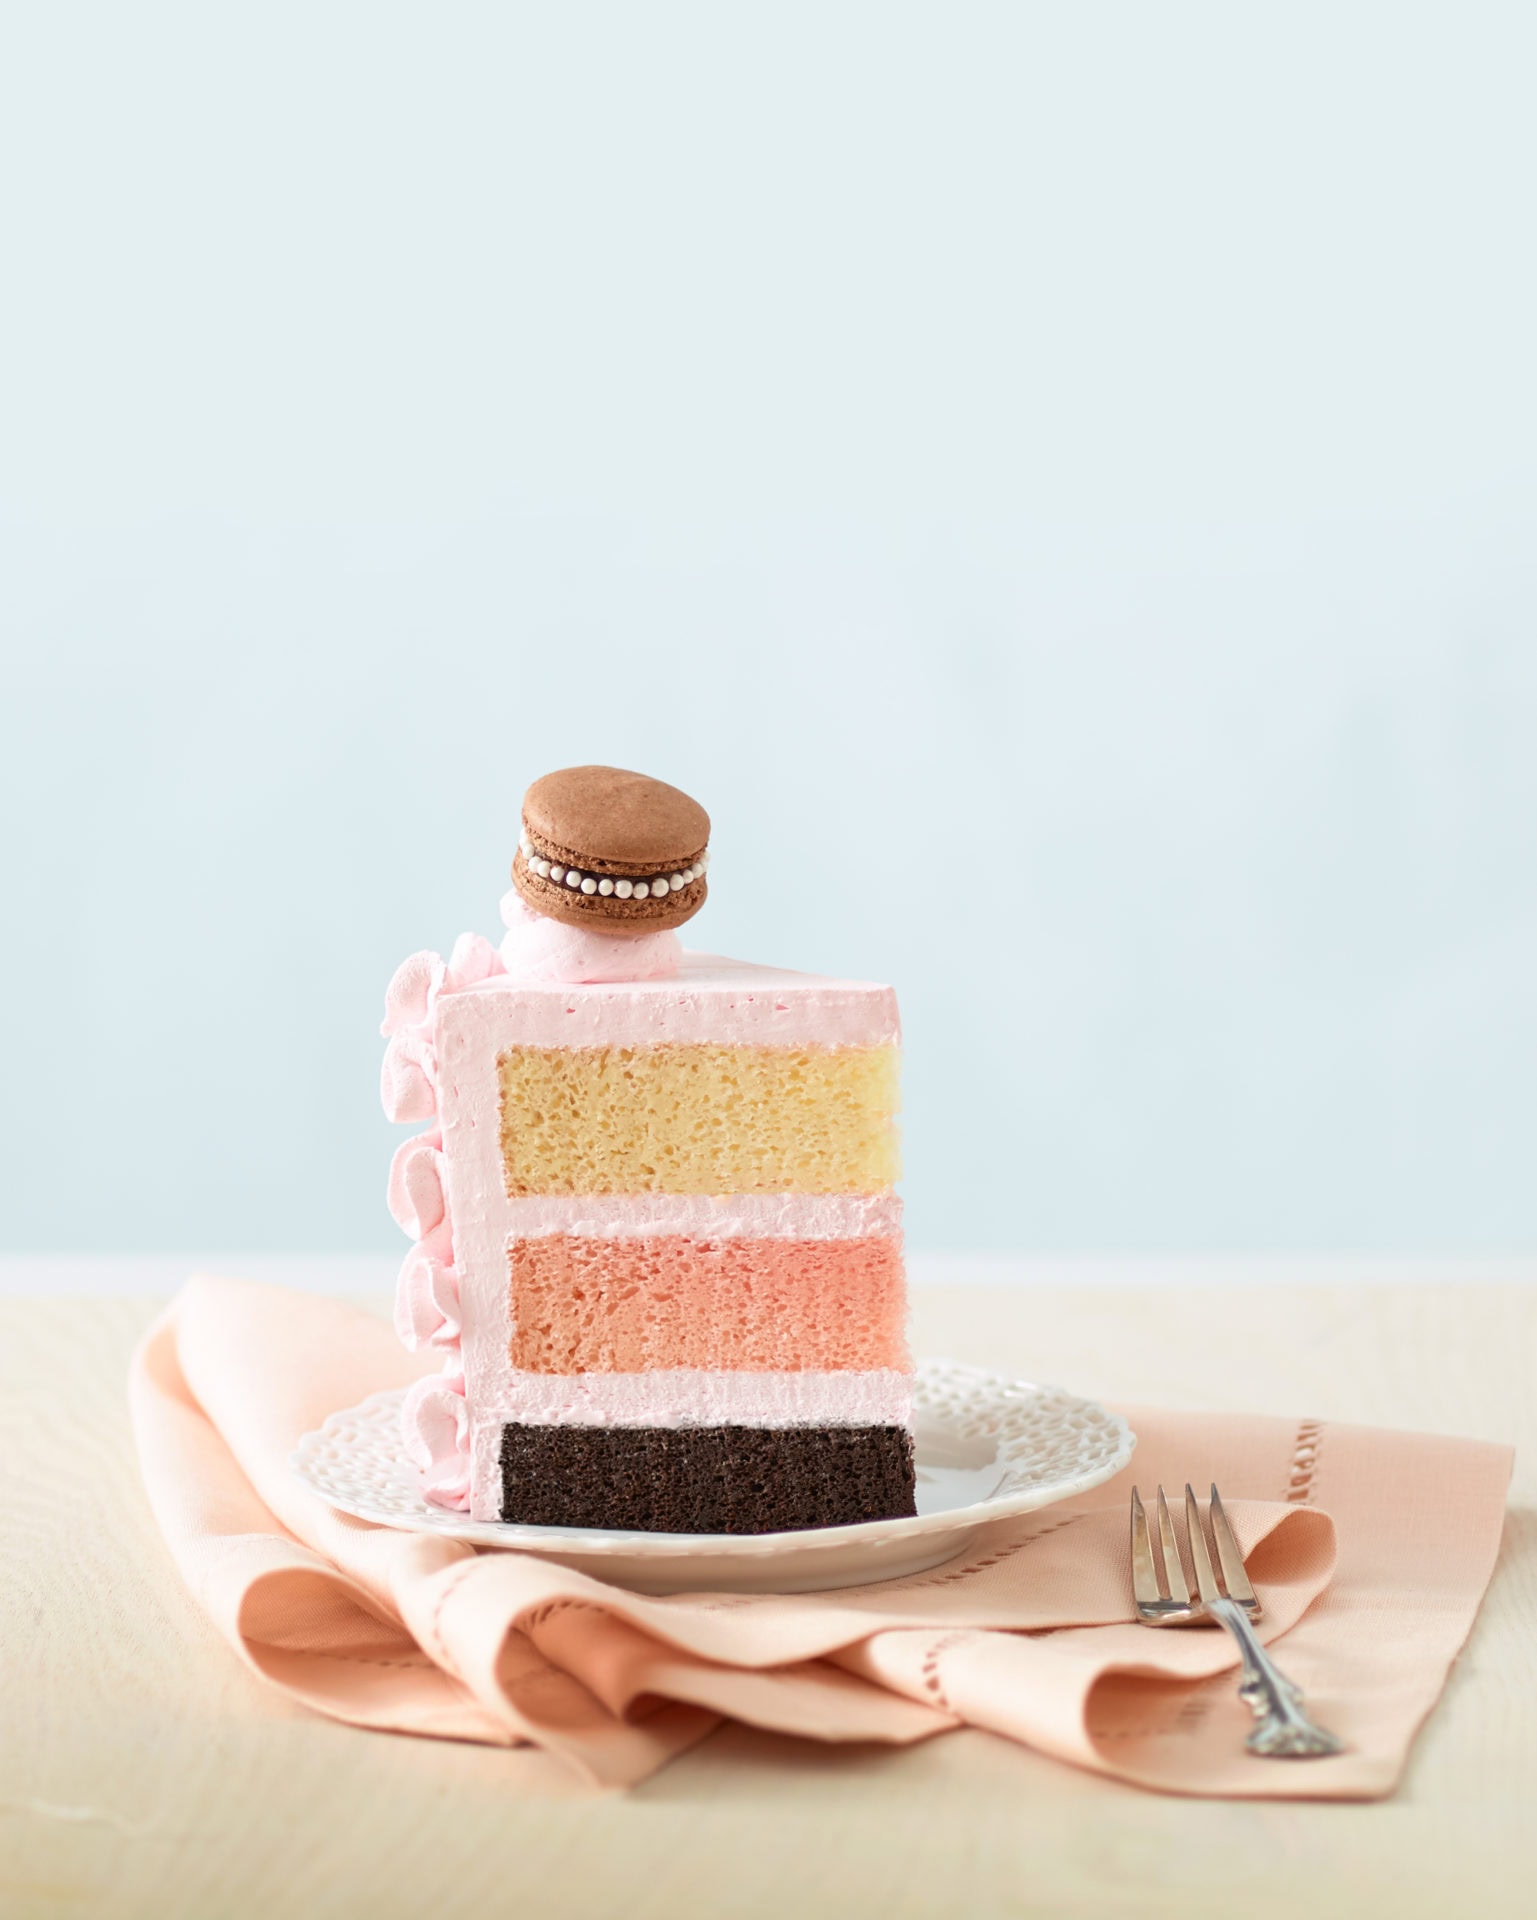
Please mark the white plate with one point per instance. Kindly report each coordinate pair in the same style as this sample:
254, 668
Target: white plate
986, 1448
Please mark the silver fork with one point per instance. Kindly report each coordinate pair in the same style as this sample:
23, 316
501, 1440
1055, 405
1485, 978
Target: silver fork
1162, 1596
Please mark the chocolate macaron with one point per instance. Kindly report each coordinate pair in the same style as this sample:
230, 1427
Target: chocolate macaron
614, 851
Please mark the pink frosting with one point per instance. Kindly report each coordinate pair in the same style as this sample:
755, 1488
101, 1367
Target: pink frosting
416, 1185
427, 1295
709, 1001
435, 1423
537, 948
408, 1081
688, 1397
435, 1418
421, 977
408, 997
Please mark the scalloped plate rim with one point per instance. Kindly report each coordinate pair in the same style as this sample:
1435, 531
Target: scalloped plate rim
447, 1524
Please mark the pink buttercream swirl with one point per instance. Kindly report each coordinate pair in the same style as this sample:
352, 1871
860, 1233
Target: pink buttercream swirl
421, 977
536, 948
427, 1294
435, 1421
408, 1082
416, 1196
435, 1418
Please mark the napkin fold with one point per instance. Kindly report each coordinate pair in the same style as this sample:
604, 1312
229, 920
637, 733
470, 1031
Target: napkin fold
1029, 1634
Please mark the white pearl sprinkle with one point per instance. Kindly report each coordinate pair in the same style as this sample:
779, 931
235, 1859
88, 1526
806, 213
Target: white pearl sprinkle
557, 873
605, 887
690, 875
624, 888
573, 878
541, 867
642, 891
589, 885
677, 883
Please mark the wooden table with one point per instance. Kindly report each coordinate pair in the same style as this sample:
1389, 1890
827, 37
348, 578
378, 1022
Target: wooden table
143, 1772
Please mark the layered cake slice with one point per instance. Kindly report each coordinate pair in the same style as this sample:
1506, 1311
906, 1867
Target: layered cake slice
656, 1229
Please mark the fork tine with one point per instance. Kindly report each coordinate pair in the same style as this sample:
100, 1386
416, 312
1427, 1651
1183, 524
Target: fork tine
1200, 1557
1144, 1571
1174, 1567
1233, 1576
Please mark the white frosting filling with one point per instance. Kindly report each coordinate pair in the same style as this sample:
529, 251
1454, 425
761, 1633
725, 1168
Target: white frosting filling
636, 887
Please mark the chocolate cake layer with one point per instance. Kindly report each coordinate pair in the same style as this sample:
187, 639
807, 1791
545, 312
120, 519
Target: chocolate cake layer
705, 1479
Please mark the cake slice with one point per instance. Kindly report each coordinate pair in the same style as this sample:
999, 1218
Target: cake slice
657, 1235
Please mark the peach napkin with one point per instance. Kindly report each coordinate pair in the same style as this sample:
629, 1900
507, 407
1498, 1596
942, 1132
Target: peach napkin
1028, 1634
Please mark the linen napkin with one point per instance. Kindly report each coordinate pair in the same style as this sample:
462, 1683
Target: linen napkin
1029, 1633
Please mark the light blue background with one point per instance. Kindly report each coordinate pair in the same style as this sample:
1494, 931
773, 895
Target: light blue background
1057, 482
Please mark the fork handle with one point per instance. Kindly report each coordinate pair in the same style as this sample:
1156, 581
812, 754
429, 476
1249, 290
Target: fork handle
1284, 1730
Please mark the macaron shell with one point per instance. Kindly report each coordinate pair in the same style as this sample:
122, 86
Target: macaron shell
611, 819
607, 913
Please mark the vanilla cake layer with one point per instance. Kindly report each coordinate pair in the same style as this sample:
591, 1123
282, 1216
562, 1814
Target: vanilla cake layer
581, 1304
699, 1119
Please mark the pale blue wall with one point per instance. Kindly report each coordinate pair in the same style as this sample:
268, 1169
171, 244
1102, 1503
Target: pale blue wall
1057, 482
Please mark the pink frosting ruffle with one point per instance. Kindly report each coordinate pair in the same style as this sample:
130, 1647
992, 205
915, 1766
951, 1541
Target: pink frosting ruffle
435, 1417
416, 1185
427, 1295
408, 1080
408, 997
435, 1424
421, 977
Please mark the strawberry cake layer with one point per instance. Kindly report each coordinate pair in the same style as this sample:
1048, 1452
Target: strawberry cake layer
588, 1305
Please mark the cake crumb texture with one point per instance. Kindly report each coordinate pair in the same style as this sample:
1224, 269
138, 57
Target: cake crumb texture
725, 1479
631, 1305
699, 1119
